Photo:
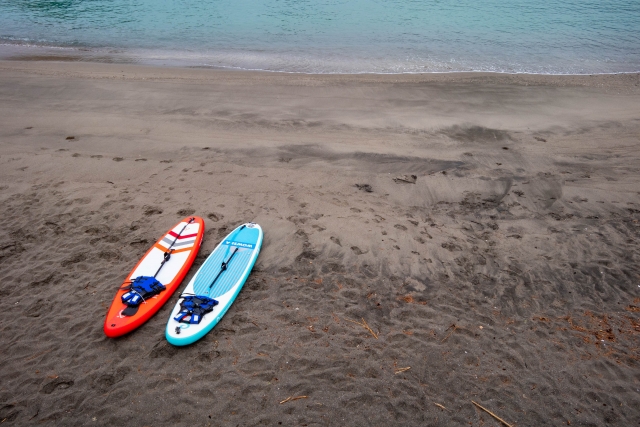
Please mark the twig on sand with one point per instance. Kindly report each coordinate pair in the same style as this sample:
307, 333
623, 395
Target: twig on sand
292, 398
400, 370
370, 330
353, 321
453, 325
440, 406
364, 325
492, 414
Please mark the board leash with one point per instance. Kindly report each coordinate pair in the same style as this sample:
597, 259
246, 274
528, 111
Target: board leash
167, 254
225, 264
223, 267
130, 310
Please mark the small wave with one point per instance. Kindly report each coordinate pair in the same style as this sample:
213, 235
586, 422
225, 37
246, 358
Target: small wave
284, 62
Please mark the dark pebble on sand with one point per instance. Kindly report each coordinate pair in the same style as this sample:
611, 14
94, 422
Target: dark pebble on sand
365, 187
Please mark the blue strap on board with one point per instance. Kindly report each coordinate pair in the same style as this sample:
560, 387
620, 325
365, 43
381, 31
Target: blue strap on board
141, 288
194, 306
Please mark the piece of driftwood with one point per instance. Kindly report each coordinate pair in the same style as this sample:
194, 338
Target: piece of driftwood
364, 325
492, 414
405, 179
292, 398
440, 406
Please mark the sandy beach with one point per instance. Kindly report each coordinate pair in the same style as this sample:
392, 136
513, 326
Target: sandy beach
486, 228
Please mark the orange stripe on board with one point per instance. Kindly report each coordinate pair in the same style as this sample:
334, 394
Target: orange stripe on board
176, 251
182, 250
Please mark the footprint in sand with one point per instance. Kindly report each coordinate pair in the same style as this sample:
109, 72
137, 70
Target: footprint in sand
75, 259
54, 226
215, 217
186, 212
451, 247
222, 231
109, 255
57, 383
38, 308
139, 242
163, 350
356, 250
151, 210
106, 381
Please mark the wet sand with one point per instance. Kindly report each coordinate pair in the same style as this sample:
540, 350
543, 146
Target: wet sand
485, 227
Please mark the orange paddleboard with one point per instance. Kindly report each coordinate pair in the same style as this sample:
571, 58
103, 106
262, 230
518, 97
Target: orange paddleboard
182, 242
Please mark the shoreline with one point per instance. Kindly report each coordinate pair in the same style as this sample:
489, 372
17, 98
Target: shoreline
486, 228
38, 65
18, 52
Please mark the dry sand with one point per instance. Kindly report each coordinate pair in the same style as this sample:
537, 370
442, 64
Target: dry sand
486, 228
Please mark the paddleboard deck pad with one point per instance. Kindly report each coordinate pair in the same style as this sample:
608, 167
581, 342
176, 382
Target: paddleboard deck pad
215, 286
169, 260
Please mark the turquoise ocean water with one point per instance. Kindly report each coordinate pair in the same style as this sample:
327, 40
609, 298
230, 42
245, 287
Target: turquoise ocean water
335, 36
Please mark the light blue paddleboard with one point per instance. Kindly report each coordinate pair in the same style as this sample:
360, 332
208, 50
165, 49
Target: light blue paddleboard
239, 250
